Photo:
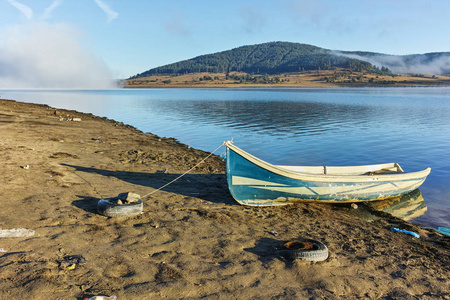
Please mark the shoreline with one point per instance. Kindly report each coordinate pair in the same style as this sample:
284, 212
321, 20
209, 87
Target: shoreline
243, 86
265, 86
192, 240
307, 79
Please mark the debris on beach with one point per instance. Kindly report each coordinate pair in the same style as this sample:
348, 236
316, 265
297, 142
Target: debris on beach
128, 197
16, 232
405, 231
306, 249
70, 262
101, 298
444, 230
124, 205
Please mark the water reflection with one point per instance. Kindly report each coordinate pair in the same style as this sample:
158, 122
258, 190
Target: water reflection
271, 118
405, 207
282, 113
297, 113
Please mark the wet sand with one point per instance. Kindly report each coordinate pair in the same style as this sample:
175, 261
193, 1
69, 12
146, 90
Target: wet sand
192, 240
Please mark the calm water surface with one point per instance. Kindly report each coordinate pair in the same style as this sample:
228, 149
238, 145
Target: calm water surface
410, 126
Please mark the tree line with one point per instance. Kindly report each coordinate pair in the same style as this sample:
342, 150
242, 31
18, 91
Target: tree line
269, 58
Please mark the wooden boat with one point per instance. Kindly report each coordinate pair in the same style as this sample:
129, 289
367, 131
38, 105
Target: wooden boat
253, 181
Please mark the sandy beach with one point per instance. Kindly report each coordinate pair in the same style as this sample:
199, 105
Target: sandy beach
192, 241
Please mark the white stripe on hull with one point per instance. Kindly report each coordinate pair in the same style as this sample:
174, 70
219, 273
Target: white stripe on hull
355, 189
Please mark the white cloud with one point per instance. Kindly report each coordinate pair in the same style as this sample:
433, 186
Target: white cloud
25, 10
111, 14
48, 11
42, 55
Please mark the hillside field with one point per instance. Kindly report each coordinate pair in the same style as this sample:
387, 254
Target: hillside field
322, 78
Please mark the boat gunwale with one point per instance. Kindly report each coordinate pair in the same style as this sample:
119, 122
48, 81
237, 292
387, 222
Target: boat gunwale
328, 177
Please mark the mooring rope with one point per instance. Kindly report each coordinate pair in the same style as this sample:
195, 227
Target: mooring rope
152, 192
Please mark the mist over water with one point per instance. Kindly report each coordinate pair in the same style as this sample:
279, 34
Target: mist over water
407, 64
43, 55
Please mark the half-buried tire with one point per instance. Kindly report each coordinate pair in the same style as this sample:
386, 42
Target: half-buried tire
110, 208
306, 249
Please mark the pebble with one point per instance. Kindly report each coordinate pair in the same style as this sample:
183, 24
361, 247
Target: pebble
128, 197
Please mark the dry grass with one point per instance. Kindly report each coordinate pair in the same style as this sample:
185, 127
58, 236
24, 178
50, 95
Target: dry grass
326, 78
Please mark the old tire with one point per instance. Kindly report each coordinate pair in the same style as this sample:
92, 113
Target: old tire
306, 249
109, 208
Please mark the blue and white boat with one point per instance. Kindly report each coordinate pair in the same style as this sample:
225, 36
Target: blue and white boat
253, 181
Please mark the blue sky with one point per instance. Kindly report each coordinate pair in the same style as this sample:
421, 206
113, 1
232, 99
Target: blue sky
129, 37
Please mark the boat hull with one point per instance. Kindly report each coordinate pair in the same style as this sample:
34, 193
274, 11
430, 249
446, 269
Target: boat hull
252, 181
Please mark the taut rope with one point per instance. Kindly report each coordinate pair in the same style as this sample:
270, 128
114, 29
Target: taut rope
152, 192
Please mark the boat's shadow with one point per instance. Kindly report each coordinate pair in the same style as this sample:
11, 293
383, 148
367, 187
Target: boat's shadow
209, 187
213, 188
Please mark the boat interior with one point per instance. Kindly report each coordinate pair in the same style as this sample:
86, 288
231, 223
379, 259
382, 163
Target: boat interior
390, 168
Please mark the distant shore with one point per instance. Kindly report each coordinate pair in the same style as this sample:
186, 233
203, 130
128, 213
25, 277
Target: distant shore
310, 79
192, 240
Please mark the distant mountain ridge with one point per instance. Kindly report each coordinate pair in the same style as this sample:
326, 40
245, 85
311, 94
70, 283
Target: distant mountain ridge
287, 57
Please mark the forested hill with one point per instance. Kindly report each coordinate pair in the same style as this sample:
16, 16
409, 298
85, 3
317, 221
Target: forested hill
268, 58
284, 57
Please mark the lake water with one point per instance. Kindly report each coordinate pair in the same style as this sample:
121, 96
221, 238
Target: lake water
301, 126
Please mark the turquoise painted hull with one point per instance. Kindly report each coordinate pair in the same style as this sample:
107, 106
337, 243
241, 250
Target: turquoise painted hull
254, 182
